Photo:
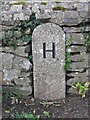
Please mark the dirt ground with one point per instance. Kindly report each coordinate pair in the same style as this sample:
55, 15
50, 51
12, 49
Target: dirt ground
72, 107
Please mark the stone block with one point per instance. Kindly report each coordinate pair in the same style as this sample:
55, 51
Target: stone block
75, 49
19, 17
78, 74
22, 81
21, 64
7, 60
48, 48
20, 51
10, 75
23, 91
77, 38
79, 58
1, 78
15, 9
0, 61
82, 79
78, 65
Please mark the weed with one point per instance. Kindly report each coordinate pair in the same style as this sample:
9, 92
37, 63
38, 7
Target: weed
67, 61
47, 114
27, 116
9, 95
80, 88
86, 36
30, 58
12, 39
67, 55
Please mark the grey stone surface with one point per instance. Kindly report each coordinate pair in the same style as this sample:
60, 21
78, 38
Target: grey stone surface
56, 17
19, 17
75, 48
7, 60
22, 81
22, 91
49, 74
0, 61
79, 58
15, 9
76, 29
1, 77
6, 16
78, 74
21, 63
77, 38
82, 79
70, 17
28, 49
20, 51
71, 91
10, 75
79, 65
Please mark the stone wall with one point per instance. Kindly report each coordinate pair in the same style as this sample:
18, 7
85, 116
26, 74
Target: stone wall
15, 66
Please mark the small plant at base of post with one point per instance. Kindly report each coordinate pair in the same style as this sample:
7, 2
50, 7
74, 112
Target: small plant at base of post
81, 89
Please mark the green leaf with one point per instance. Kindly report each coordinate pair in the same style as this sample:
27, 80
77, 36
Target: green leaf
78, 84
26, 115
81, 89
37, 117
66, 67
69, 41
67, 53
86, 85
68, 60
57, 105
83, 94
6, 41
74, 87
53, 115
31, 116
30, 58
32, 17
46, 114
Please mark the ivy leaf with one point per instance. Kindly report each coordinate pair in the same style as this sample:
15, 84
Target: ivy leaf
30, 57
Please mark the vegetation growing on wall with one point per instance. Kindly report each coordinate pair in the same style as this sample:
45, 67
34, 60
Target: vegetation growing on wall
12, 39
59, 8
80, 88
86, 36
67, 55
20, 2
43, 3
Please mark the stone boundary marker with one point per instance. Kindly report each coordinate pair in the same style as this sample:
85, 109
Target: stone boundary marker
48, 49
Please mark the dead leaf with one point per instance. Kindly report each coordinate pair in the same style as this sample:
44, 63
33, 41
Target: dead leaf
7, 111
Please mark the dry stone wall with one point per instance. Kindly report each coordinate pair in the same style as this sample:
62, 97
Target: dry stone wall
15, 66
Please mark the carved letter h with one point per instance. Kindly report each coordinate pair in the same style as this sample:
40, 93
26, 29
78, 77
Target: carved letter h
44, 50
